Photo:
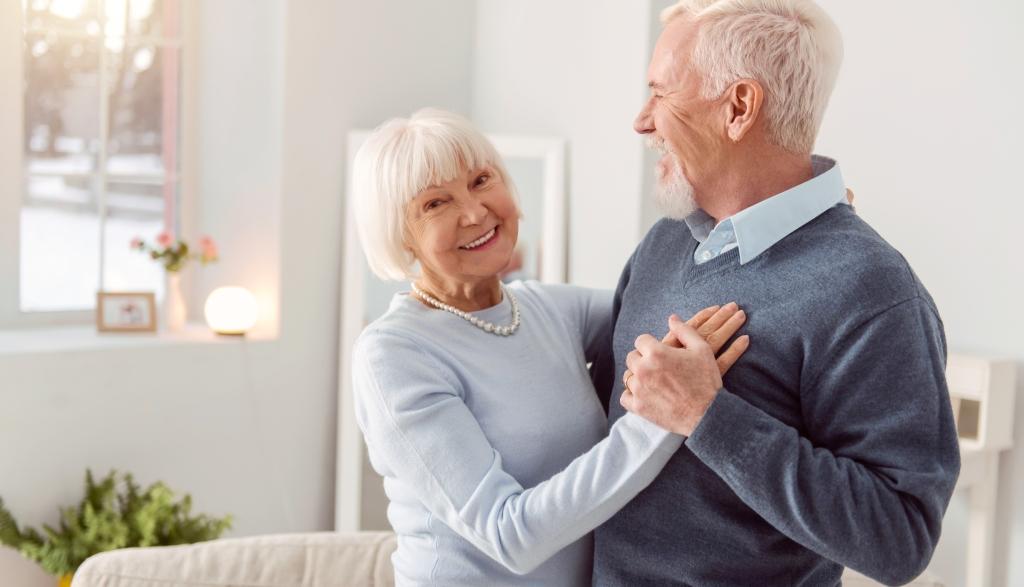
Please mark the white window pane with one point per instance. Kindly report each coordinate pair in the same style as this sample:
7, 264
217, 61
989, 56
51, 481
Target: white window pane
143, 109
62, 103
141, 18
59, 264
76, 191
62, 250
133, 210
80, 16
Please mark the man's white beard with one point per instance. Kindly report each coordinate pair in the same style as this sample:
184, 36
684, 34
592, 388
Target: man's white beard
673, 193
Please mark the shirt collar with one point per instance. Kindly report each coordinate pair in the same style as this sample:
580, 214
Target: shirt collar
760, 226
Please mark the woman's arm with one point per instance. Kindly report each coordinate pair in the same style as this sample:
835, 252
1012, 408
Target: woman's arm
420, 432
588, 312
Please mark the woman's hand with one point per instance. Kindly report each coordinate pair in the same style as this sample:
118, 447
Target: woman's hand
672, 382
717, 325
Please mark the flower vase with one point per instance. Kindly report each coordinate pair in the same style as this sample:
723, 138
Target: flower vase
174, 310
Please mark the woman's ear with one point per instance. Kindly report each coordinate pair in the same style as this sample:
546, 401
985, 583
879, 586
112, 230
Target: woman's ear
745, 99
407, 230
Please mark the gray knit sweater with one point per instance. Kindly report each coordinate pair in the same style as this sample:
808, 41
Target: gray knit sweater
832, 443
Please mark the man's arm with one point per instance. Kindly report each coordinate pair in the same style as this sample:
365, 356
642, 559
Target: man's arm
869, 483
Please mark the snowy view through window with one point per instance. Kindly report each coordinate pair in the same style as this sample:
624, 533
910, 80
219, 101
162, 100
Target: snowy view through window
100, 131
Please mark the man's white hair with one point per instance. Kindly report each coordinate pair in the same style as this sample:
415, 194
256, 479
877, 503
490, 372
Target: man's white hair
792, 47
401, 158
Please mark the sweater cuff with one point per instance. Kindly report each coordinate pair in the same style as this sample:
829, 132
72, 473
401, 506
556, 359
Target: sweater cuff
724, 435
656, 436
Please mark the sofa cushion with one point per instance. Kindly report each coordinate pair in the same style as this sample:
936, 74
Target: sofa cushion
283, 560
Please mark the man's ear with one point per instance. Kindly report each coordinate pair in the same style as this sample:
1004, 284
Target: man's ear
743, 108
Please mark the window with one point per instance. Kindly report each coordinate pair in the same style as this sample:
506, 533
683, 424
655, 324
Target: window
100, 147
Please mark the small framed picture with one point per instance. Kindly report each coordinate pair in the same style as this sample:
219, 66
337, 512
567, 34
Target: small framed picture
125, 311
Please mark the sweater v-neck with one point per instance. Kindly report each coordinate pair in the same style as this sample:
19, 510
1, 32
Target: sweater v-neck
727, 262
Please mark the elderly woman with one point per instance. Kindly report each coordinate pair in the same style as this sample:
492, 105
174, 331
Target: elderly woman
474, 397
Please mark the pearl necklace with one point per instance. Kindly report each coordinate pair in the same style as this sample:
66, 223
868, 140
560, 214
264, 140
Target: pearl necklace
481, 324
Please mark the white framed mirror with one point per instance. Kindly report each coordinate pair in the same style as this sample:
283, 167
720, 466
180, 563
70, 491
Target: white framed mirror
537, 167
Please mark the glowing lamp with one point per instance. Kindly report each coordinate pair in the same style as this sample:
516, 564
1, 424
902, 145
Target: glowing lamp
230, 310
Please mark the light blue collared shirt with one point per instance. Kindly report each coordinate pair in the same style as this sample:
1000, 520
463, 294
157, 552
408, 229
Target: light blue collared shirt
755, 229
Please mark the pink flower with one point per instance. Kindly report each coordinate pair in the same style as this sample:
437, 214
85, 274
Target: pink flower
208, 248
165, 239
137, 243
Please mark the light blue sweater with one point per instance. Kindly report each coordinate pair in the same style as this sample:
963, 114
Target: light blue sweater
491, 447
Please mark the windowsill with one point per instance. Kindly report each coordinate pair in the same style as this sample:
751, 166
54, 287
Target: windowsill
86, 338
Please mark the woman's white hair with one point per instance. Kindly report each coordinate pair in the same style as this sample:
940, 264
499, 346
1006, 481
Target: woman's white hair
792, 47
401, 158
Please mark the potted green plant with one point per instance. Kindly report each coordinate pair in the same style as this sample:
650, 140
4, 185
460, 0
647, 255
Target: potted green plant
113, 514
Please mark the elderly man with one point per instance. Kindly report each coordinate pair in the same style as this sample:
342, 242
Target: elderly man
832, 442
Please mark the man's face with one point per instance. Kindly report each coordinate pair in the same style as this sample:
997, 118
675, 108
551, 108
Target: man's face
683, 126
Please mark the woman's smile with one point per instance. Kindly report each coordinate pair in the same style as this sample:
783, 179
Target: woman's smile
483, 243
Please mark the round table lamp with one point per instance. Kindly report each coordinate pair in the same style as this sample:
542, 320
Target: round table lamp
230, 310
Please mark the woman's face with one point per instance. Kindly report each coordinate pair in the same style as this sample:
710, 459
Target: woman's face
465, 229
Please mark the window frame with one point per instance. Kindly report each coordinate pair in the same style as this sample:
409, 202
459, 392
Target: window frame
14, 173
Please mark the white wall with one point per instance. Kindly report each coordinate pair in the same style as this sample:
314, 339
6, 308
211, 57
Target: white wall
573, 69
351, 66
924, 124
235, 99
248, 429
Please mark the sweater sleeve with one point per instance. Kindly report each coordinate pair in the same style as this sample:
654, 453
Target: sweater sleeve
421, 433
589, 313
868, 482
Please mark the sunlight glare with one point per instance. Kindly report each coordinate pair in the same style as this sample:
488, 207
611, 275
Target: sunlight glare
39, 48
69, 9
114, 12
115, 44
142, 9
143, 59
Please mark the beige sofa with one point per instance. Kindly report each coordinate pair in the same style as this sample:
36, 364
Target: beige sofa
319, 559
323, 559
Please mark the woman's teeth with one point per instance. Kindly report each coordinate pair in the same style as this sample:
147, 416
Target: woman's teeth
480, 240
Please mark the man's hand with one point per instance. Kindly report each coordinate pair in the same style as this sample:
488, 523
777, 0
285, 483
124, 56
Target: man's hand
673, 386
